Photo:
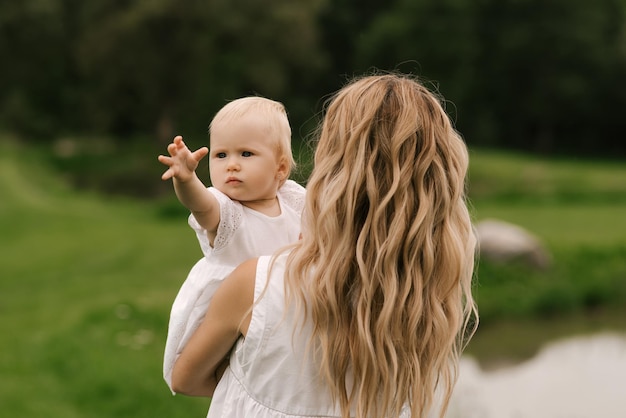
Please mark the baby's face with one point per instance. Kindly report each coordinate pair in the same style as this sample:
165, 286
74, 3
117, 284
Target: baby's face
244, 162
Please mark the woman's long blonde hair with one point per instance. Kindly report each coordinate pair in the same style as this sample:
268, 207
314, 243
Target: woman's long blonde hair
385, 265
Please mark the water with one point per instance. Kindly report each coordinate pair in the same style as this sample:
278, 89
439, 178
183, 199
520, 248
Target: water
582, 377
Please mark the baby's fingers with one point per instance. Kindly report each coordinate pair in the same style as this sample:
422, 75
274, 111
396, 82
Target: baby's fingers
169, 173
164, 159
172, 149
200, 153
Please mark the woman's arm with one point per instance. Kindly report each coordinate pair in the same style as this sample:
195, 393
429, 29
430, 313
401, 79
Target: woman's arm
197, 370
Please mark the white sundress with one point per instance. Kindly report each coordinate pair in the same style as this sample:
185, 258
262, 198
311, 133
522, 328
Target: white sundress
271, 373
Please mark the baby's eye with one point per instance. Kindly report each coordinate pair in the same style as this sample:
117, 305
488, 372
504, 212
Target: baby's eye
246, 154
221, 155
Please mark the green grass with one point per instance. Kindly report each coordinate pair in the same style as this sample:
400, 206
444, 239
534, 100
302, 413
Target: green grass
505, 177
564, 225
568, 203
577, 208
86, 286
88, 280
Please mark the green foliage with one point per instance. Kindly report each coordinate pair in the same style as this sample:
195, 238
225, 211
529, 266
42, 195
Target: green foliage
568, 203
114, 168
131, 169
581, 280
150, 66
525, 74
538, 75
576, 208
507, 178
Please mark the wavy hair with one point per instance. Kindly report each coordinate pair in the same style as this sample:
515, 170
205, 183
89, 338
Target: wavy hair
385, 264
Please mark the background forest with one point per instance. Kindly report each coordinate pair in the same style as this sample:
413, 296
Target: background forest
535, 75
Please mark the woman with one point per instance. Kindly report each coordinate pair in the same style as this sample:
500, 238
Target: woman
367, 314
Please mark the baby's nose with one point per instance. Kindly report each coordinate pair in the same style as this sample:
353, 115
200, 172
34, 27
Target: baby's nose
233, 164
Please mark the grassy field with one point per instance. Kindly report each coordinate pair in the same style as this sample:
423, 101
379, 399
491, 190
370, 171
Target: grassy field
578, 209
86, 285
88, 280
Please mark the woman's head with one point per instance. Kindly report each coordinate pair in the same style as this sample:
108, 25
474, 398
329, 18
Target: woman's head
389, 132
274, 115
387, 249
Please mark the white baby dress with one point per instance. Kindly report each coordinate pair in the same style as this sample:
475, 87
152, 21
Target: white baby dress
242, 234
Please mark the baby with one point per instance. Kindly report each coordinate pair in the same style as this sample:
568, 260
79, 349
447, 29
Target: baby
251, 210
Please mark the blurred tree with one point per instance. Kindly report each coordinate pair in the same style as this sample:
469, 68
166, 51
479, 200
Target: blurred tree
549, 71
527, 74
168, 64
125, 67
344, 23
35, 67
540, 75
434, 39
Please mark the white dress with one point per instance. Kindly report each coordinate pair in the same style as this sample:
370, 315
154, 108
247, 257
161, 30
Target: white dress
271, 374
242, 234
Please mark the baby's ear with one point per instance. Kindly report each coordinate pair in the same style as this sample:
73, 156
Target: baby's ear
282, 173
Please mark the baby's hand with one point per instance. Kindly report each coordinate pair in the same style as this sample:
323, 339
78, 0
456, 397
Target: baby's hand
182, 162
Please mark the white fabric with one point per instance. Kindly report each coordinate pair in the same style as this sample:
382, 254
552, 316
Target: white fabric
271, 373
242, 234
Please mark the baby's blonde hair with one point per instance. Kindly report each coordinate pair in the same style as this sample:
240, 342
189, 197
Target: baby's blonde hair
385, 265
271, 111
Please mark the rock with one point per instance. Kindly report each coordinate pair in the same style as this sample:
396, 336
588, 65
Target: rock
503, 242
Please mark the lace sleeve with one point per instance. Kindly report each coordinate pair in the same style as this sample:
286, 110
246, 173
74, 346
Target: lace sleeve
293, 195
230, 220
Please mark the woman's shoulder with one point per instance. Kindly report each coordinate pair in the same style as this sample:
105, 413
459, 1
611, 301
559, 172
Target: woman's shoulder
270, 267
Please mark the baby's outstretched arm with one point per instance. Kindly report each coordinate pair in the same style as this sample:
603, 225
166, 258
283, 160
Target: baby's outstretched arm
189, 189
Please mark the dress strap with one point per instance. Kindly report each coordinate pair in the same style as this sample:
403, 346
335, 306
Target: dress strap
252, 343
